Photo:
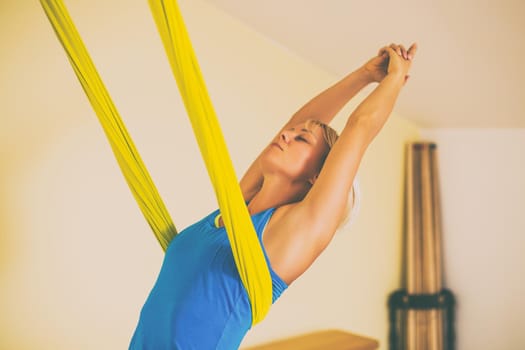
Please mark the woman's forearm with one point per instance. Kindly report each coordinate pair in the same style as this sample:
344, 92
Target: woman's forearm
328, 103
376, 108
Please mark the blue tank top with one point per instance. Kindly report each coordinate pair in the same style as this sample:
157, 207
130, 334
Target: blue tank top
198, 301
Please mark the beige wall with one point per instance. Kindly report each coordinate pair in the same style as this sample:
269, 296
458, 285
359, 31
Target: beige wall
482, 174
77, 259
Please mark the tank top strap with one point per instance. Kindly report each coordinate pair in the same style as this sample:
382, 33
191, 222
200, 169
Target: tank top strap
259, 220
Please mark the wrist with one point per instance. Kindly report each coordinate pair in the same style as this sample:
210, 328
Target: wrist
397, 75
364, 75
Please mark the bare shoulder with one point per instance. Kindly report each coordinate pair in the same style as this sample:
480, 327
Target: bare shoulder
290, 242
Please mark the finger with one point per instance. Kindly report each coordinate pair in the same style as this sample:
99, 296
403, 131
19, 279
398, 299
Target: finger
382, 51
391, 51
404, 52
412, 51
396, 49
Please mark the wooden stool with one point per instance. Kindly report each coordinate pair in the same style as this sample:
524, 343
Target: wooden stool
321, 340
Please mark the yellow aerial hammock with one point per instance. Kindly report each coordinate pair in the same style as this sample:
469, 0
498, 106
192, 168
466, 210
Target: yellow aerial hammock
246, 249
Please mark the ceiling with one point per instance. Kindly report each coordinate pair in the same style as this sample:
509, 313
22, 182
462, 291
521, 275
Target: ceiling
468, 72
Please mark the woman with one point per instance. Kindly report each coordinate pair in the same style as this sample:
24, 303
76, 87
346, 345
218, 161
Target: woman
297, 191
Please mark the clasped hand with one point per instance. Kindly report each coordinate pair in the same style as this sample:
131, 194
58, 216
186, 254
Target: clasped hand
392, 59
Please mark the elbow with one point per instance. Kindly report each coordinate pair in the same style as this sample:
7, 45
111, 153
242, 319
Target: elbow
367, 124
361, 119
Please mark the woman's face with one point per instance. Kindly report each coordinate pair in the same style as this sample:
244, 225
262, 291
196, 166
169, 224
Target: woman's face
297, 153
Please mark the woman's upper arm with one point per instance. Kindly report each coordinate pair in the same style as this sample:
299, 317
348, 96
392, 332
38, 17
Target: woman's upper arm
303, 230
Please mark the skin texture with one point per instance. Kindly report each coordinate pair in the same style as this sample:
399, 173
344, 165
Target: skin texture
289, 174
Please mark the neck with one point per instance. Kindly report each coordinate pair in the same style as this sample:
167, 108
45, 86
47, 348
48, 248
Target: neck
276, 192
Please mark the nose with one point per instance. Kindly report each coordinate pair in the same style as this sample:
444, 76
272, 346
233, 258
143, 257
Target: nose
285, 136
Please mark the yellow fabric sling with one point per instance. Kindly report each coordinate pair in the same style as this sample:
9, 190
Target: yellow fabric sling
246, 249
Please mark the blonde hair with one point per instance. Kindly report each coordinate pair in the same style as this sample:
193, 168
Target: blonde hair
354, 197
329, 134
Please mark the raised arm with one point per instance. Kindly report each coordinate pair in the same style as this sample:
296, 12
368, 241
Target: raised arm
308, 226
323, 107
326, 200
328, 103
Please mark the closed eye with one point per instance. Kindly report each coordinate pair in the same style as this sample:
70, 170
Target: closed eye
302, 139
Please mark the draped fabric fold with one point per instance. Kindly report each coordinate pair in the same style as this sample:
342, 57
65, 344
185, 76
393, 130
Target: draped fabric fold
128, 158
247, 252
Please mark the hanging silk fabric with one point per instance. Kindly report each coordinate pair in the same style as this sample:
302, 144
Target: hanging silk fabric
246, 248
